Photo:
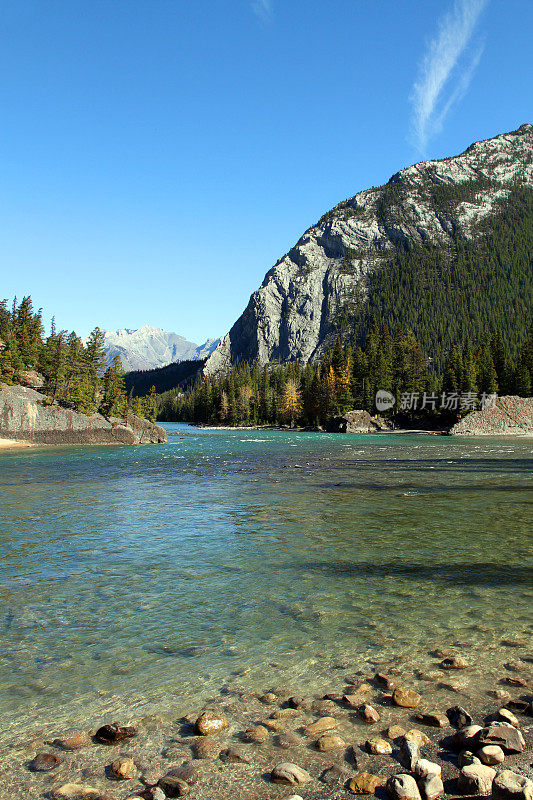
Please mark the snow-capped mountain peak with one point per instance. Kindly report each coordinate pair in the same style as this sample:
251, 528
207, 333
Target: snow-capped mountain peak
149, 347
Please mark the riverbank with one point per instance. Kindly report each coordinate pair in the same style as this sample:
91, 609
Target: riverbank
29, 416
10, 443
368, 723
286, 429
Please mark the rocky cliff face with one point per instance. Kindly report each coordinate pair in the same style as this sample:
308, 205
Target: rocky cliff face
511, 416
293, 314
25, 415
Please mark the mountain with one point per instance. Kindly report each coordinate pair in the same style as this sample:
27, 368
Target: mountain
444, 248
149, 348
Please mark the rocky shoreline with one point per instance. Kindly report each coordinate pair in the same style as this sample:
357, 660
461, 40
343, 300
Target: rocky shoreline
29, 417
510, 416
380, 733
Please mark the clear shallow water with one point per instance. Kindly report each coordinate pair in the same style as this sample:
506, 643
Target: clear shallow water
144, 576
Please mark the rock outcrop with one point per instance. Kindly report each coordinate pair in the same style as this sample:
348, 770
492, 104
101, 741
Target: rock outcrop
296, 311
356, 422
26, 415
509, 416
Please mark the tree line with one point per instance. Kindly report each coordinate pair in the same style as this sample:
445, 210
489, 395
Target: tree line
74, 371
450, 292
348, 378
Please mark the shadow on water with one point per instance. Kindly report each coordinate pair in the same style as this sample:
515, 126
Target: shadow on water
468, 573
421, 488
465, 464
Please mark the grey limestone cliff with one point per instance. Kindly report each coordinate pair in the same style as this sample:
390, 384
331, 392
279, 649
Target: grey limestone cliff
26, 415
293, 313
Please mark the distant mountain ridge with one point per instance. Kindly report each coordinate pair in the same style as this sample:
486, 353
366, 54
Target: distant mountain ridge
149, 348
444, 249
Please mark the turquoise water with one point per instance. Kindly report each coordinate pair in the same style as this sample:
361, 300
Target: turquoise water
152, 574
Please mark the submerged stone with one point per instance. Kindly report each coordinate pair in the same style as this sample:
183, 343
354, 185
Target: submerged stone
290, 774
123, 769
111, 734
379, 747
368, 714
406, 698
210, 722
44, 762
321, 725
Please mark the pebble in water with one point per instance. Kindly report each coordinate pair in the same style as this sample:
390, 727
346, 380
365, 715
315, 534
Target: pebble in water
269, 699
385, 681
74, 740
522, 706
335, 775
515, 681
111, 734
257, 734
368, 714
210, 722
433, 718
44, 762
187, 772
379, 747
454, 662
289, 773
123, 769
405, 698
329, 741
321, 725
234, 756
76, 791
206, 748
173, 786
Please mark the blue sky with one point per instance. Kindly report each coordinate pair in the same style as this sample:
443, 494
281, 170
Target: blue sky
158, 156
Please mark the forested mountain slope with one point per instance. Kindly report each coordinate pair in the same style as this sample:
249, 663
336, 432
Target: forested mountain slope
444, 248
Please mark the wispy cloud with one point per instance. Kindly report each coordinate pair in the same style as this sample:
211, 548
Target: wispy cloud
262, 9
446, 70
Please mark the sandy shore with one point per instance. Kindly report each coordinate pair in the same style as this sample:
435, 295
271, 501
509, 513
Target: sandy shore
5, 443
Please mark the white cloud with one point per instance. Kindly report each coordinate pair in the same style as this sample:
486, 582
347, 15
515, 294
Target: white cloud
446, 70
262, 9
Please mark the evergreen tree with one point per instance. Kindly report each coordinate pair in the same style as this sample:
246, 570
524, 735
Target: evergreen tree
114, 401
